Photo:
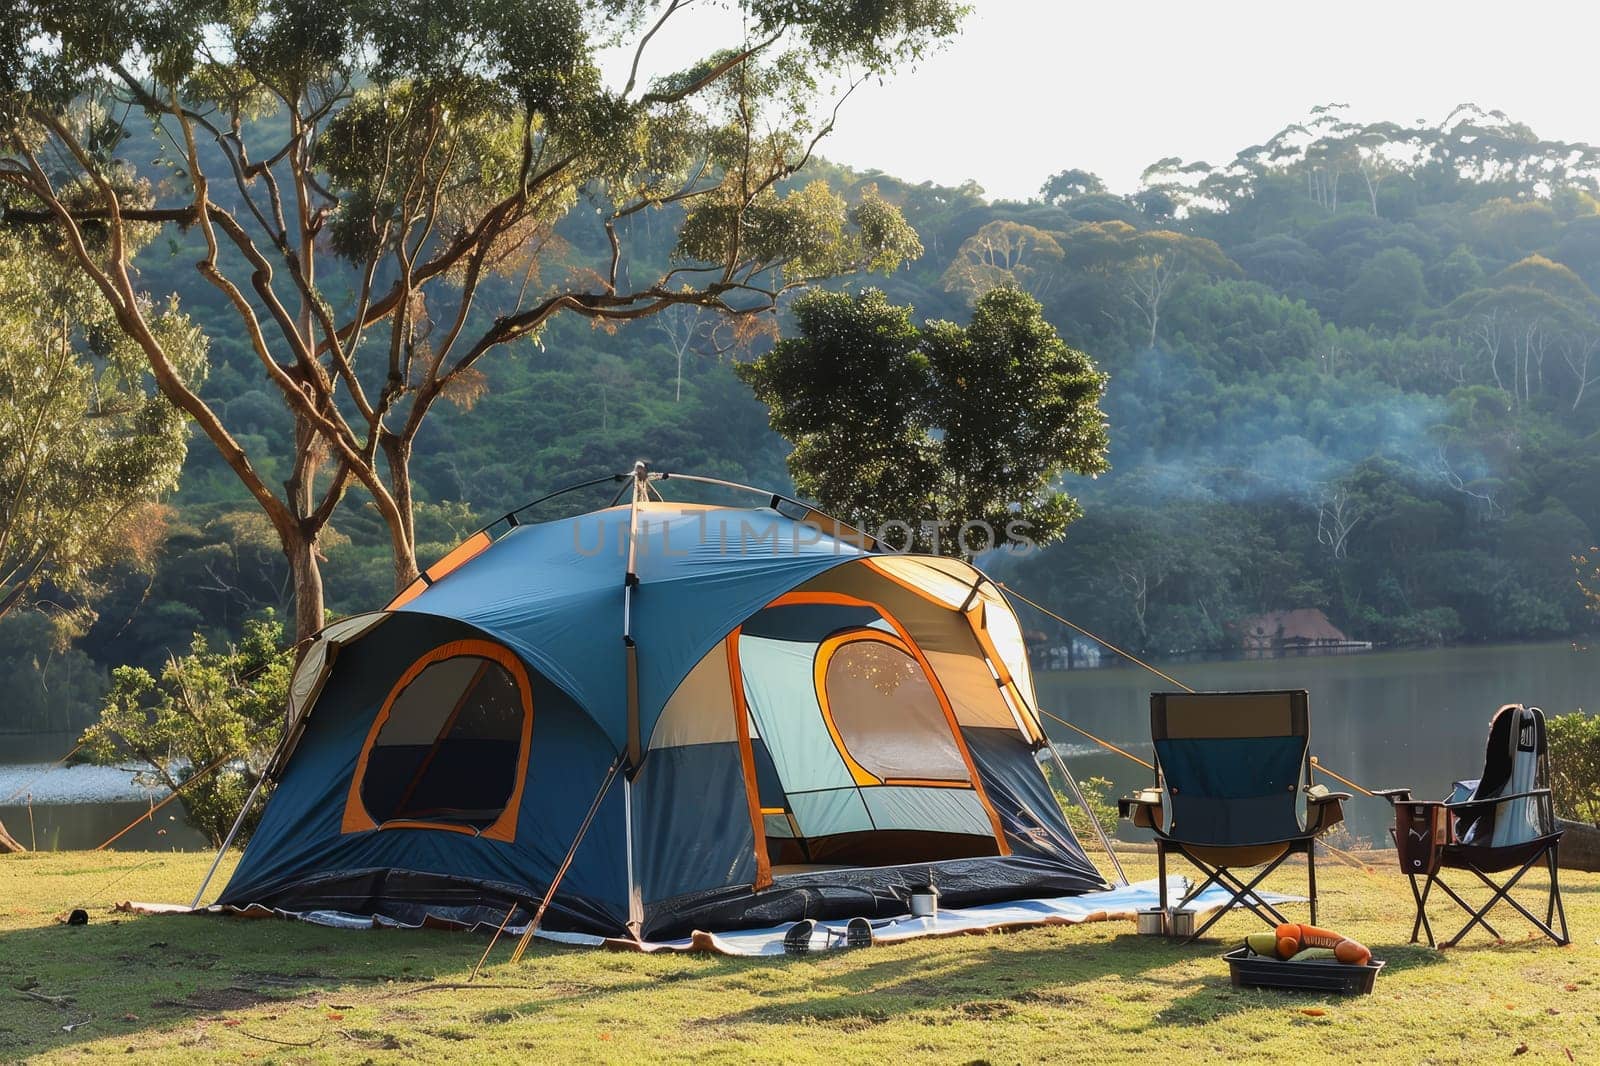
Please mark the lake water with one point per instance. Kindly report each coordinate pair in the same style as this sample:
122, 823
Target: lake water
1394, 719
70, 807
1383, 719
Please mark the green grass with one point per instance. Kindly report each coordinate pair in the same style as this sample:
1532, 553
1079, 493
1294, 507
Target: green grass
160, 988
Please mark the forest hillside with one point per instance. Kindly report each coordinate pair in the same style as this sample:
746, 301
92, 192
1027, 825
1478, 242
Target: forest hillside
1355, 368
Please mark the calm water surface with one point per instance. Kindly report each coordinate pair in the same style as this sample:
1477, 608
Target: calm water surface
1383, 719
1415, 719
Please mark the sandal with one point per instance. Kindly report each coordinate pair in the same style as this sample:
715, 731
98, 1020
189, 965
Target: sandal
797, 941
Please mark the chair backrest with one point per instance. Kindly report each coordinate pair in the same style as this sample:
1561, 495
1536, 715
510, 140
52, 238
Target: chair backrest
1232, 763
1517, 760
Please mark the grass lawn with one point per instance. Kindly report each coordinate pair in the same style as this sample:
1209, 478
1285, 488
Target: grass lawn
158, 988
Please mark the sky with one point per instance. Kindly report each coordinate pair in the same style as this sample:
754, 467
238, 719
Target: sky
1031, 87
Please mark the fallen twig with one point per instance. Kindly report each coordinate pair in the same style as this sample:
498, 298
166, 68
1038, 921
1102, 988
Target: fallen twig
54, 1001
275, 1040
445, 986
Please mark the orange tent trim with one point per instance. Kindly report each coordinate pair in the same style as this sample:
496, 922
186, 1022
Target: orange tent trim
356, 817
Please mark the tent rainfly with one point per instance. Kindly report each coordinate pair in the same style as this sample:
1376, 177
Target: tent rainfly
767, 717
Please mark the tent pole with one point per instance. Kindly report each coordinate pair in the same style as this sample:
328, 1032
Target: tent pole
561, 871
1105, 841
630, 581
635, 907
250, 801
290, 723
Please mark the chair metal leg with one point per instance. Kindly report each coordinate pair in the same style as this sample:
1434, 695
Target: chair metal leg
1311, 877
1501, 892
1242, 893
1421, 899
1246, 897
1478, 916
1213, 877
1550, 896
1504, 893
1161, 874
1555, 897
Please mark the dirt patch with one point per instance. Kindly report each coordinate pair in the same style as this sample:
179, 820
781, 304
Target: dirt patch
374, 1039
987, 1009
1050, 996
221, 1000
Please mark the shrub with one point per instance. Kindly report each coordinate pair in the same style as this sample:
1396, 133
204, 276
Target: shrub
206, 707
1096, 794
1575, 765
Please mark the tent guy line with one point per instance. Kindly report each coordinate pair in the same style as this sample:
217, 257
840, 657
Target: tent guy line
1316, 763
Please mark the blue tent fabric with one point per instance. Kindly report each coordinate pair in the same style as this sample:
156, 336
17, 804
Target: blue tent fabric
553, 594
299, 857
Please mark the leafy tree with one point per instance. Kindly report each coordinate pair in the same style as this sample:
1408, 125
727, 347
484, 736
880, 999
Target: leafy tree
1388, 293
1240, 326
1066, 185
1510, 229
1458, 273
1005, 254
1578, 247
1516, 330
87, 445
50, 686
1147, 264
204, 707
1281, 260
1552, 279
374, 190
946, 424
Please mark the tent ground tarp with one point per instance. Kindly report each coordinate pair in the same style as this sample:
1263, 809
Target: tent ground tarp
1117, 904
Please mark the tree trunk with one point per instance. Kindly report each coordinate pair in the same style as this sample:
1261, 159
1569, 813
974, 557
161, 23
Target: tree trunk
307, 574
403, 541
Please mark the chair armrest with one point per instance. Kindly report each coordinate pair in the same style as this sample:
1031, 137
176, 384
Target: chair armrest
1143, 808
1395, 795
1324, 809
1491, 801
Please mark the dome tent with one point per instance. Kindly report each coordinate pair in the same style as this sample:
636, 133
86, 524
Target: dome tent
730, 717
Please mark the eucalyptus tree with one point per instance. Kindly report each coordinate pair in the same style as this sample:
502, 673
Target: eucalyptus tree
1004, 253
374, 191
1146, 265
87, 444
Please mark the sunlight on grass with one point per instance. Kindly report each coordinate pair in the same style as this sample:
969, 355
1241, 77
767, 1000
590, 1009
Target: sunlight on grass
155, 988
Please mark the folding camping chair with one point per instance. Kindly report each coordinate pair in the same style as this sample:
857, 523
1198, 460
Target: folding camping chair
1232, 766
1502, 822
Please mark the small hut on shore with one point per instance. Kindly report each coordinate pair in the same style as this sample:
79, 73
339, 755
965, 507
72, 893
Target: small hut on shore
1304, 631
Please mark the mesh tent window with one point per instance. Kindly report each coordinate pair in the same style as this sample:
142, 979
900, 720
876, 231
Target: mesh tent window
883, 713
449, 748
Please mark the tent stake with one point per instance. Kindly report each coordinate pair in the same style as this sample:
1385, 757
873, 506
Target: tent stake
583, 830
494, 940
1105, 842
